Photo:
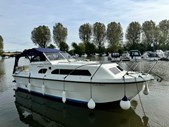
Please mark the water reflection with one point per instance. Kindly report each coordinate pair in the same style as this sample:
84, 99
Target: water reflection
2, 72
39, 111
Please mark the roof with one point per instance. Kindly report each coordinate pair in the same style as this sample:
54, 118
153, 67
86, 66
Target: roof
46, 50
37, 51
33, 52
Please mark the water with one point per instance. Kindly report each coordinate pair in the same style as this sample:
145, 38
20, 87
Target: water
25, 110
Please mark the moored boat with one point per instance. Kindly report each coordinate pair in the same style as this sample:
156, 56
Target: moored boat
135, 55
114, 57
150, 56
125, 56
52, 72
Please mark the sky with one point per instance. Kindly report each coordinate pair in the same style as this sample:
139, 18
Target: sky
19, 17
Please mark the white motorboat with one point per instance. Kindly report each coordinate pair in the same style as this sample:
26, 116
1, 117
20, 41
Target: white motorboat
114, 57
54, 73
160, 54
125, 56
150, 56
135, 55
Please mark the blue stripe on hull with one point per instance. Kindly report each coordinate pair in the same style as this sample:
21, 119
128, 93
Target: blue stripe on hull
71, 101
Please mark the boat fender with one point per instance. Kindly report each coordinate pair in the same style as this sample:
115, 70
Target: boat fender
15, 84
146, 89
43, 89
125, 103
29, 87
91, 104
64, 96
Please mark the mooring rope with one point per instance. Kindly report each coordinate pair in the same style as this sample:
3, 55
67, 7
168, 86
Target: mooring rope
124, 85
141, 101
140, 97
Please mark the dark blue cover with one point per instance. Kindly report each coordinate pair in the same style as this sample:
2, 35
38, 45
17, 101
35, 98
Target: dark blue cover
46, 50
33, 52
37, 51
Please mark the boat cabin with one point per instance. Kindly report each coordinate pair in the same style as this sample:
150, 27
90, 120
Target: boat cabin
44, 55
135, 55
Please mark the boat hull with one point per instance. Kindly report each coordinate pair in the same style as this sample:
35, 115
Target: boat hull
46, 112
80, 91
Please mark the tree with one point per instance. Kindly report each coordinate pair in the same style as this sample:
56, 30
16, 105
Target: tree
1, 44
133, 34
78, 49
64, 47
164, 34
90, 48
41, 36
150, 34
114, 36
59, 35
51, 46
99, 33
85, 32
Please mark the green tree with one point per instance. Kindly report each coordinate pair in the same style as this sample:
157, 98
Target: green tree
60, 35
64, 47
133, 34
164, 34
41, 36
150, 34
1, 45
90, 48
78, 49
85, 32
114, 36
99, 33
51, 46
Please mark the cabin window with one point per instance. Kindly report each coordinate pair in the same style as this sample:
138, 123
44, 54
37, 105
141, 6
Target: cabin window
56, 71
114, 70
71, 72
65, 71
38, 58
81, 72
119, 68
135, 54
54, 56
58, 56
42, 71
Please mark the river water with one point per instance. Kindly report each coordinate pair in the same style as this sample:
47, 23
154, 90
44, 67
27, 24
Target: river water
24, 109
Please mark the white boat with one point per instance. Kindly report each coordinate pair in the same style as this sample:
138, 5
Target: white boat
114, 57
150, 56
135, 55
54, 73
125, 56
160, 54
166, 58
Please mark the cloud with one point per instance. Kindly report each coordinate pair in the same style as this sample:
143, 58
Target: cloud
22, 16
